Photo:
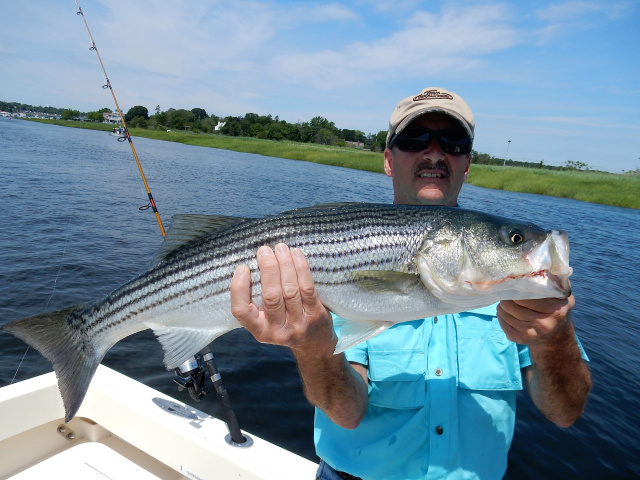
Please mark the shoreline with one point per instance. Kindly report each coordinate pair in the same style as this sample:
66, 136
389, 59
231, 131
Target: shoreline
594, 187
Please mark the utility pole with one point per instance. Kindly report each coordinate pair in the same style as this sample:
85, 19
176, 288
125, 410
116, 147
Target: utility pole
507, 153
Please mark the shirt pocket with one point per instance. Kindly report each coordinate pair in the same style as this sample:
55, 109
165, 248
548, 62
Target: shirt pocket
487, 360
397, 379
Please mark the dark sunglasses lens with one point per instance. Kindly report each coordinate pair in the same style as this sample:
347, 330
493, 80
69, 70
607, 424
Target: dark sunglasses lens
455, 142
413, 141
456, 146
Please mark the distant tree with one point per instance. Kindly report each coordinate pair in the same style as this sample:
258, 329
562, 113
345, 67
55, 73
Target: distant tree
208, 125
138, 122
159, 120
353, 135
179, 119
232, 126
258, 131
68, 114
326, 136
95, 116
377, 142
576, 165
200, 113
137, 111
276, 131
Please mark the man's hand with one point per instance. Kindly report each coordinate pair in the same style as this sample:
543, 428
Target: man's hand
558, 380
532, 322
291, 314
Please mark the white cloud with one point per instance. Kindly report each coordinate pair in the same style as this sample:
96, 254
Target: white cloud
558, 18
452, 41
332, 11
568, 11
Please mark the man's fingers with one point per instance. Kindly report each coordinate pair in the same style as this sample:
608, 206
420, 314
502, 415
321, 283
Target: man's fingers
305, 281
272, 301
240, 289
288, 274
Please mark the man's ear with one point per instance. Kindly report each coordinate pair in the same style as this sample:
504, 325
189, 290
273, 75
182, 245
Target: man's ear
466, 170
388, 162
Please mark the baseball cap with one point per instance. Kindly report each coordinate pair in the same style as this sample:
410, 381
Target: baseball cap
431, 99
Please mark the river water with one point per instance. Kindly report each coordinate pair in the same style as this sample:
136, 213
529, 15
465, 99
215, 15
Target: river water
72, 232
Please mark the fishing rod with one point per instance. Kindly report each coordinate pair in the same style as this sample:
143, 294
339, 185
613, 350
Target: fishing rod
152, 203
190, 375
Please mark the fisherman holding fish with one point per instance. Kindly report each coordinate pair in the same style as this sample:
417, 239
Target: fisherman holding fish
432, 398
426, 387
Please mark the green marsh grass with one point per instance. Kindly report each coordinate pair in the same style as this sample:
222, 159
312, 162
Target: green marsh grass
595, 187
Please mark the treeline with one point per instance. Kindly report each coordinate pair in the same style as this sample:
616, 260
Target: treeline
317, 130
572, 165
16, 107
486, 159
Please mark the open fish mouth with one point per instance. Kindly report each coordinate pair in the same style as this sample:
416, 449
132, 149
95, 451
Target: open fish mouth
561, 282
548, 282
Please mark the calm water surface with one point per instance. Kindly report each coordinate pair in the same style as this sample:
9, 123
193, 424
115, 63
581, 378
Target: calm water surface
72, 232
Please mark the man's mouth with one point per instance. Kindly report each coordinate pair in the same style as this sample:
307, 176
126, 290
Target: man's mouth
427, 170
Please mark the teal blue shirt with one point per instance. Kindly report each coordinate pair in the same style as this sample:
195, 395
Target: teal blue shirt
442, 395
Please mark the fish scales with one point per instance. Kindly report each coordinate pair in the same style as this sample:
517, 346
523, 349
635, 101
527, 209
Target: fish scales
214, 260
374, 265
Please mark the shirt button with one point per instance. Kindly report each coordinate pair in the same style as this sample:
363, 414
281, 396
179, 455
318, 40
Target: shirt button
435, 319
439, 430
438, 371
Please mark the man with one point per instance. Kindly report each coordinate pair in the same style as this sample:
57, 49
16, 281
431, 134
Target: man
432, 398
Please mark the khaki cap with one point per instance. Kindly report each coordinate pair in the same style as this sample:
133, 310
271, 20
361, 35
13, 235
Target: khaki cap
431, 99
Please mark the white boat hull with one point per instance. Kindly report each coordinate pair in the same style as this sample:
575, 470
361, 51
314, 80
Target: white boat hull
125, 430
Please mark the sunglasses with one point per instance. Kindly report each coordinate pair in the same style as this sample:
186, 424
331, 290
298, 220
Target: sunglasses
453, 141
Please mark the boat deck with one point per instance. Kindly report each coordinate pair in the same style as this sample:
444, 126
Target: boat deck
126, 430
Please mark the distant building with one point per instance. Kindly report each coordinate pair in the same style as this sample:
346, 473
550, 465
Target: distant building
110, 117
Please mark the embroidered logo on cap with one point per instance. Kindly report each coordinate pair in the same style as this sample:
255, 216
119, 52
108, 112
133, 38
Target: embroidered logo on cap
431, 94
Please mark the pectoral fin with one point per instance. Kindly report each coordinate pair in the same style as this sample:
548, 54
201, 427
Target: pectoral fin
353, 333
380, 281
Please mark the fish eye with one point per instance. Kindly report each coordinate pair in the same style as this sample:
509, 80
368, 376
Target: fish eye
516, 237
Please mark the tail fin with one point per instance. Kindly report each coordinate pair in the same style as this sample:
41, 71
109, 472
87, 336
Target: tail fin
73, 358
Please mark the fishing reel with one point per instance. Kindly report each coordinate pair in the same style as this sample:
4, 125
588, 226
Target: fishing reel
191, 376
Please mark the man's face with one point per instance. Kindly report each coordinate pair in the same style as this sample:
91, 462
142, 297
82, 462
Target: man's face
428, 177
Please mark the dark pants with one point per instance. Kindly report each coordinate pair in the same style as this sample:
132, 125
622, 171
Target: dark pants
325, 472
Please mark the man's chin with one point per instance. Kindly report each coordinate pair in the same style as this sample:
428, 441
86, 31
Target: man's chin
432, 196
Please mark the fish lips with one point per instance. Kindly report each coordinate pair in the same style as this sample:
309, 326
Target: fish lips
550, 262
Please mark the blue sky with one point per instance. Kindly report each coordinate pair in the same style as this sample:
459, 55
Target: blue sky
561, 80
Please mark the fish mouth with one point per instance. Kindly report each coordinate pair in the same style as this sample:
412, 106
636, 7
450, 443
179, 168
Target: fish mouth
552, 261
549, 283
561, 281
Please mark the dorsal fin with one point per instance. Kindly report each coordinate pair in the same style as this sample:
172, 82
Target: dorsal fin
186, 228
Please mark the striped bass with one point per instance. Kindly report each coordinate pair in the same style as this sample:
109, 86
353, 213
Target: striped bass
373, 264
